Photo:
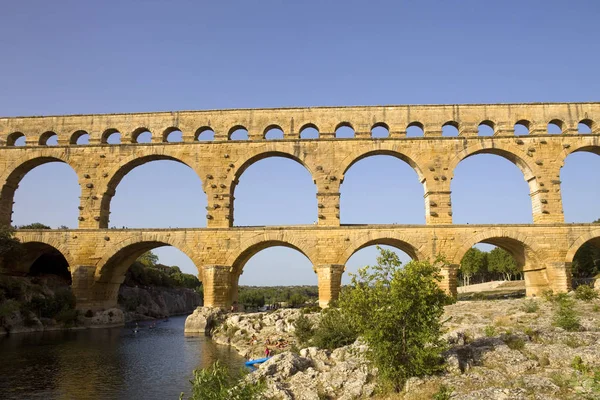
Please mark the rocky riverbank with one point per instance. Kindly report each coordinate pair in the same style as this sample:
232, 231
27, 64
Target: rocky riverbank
498, 349
151, 302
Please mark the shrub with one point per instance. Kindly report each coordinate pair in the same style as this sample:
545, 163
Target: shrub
548, 294
303, 329
530, 306
216, 383
565, 315
67, 317
444, 393
334, 330
398, 311
514, 343
585, 293
490, 331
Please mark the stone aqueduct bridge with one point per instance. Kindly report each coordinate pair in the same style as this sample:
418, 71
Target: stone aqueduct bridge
98, 257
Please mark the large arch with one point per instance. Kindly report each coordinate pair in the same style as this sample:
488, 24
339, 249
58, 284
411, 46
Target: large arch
36, 245
592, 236
578, 181
356, 157
401, 243
119, 172
15, 173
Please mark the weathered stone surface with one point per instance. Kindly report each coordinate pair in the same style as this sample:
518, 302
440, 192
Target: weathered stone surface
202, 320
157, 302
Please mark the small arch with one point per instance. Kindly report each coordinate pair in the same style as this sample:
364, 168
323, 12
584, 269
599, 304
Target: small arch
555, 126
344, 130
585, 261
309, 131
238, 132
415, 129
380, 130
15, 139
48, 139
486, 128
450, 128
111, 136
172, 135
593, 237
79, 138
141, 135
585, 126
204, 133
522, 127
273, 132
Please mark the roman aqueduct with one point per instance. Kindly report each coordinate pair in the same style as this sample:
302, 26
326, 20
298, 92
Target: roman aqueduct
98, 257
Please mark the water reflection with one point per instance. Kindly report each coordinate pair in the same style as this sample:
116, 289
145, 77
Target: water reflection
106, 363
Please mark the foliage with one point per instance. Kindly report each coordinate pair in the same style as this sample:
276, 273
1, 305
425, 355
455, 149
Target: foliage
8, 308
530, 306
472, 263
500, 261
335, 330
444, 393
297, 300
585, 293
50, 306
35, 225
479, 266
11, 249
216, 383
293, 295
67, 316
139, 274
251, 298
148, 259
303, 329
565, 315
490, 331
514, 342
397, 311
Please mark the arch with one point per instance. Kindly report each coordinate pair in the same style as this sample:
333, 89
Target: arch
486, 128
119, 172
556, 126
400, 243
591, 236
37, 243
135, 135
450, 128
204, 133
353, 159
578, 185
344, 130
309, 131
167, 138
380, 130
11, 139
273, 132
267, 154
238, 132
415, 129
15, 173
522, 127
76, 136
46, 139
108, 135
586, 126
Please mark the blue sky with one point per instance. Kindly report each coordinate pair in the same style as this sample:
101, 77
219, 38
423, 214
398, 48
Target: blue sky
72, 57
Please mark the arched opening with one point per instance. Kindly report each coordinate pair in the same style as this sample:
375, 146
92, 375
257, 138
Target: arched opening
238, 133
585, 126
522, 127
380, 130
270, 185
580, 185
485, 128
172, 135
111, 136
344, 131
48, 139
141, 135
204, 133
273, 132
367, 254
450, 128
80, 138
555, 126
585, 265
41, 260
490, 189
415, 129
48, 192
132, 273
156, 192
309, 131
15, 139
393, 183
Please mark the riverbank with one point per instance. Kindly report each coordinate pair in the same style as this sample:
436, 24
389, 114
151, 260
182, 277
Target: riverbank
497, 349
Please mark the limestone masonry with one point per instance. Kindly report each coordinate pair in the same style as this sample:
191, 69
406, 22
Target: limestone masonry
98, 257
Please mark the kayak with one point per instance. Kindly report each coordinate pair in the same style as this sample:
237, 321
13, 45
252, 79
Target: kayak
257, 361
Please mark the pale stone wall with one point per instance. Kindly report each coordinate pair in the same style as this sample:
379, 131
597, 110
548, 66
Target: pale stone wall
99, 257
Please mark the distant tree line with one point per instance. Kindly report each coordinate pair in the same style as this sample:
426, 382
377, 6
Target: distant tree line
295, 296
480, 266
147, 271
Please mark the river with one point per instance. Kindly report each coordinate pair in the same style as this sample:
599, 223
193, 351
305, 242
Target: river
111, 363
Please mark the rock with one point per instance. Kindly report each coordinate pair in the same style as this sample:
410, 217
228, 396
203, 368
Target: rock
106, 318
202, 320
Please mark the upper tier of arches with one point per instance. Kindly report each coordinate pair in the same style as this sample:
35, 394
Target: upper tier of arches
323, 123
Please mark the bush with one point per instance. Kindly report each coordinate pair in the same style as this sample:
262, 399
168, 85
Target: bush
585, 293
334, 330
530, 306
303, 330
397, 311
490, 331
216, 383
514, 343
565, 315
67, 317
444, 393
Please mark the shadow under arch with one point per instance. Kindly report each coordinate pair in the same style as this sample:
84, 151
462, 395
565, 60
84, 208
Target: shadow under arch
15, 173
35, 247
592, 237
119, 173
399, 243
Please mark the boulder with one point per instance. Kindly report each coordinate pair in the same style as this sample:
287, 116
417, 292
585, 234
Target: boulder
202, 320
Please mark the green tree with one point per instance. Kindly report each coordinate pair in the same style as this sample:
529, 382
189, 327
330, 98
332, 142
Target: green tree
149, 259
11, 249
397, 312
502, 262
35, 225
473, 262
251, 298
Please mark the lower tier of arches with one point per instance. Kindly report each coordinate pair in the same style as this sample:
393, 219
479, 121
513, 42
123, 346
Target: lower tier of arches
99, 259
